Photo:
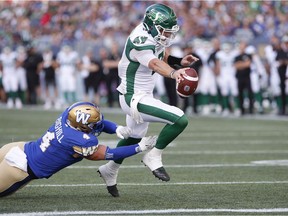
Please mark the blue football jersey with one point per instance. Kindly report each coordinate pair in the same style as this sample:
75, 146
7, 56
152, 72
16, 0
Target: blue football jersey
61, 146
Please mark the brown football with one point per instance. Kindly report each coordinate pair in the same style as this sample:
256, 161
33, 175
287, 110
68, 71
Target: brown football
189, 85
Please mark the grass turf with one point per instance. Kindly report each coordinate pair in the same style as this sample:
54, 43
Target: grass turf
210, 165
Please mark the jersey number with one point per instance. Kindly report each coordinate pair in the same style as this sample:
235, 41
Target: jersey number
46, 139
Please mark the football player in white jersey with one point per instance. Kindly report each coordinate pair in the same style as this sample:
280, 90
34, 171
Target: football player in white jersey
144, 56
258, 76
8, 60
207, 84
69, 64
226, 77
274, 80
21, 73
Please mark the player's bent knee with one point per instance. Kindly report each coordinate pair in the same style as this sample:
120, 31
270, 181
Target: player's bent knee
182, 122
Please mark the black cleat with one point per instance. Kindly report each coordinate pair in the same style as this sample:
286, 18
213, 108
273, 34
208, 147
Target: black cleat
161, 174
113, 190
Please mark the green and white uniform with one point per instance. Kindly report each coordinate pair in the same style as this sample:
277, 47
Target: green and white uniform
138, 82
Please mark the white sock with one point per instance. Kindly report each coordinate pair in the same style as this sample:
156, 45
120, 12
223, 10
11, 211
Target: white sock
156, 152
113, 166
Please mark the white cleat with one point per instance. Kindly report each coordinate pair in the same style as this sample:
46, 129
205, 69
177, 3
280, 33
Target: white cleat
109, 172
10, 103
153, 160
18, 103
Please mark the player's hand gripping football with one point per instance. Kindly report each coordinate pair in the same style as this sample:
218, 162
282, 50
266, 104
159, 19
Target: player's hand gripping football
178, 74
147, 143
123, 132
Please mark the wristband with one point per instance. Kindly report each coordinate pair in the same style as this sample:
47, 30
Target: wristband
172, 73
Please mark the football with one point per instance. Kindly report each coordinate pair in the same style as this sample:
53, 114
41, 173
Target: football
189, 85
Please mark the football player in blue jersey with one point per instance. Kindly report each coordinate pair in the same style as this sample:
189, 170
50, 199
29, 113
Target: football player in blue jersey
71, 138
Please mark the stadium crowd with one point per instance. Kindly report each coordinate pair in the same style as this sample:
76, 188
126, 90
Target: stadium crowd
41, 34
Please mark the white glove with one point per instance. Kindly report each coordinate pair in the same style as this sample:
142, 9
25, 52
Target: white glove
123, 132
147, 143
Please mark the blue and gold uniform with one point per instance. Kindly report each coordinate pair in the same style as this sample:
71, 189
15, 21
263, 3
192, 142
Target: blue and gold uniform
71, 138
56, 149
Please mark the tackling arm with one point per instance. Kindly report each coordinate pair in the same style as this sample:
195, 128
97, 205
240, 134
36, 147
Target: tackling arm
105, 153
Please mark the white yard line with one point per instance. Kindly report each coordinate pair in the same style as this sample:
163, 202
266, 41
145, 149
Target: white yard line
226, 152
253, 164
161, 184
143, 212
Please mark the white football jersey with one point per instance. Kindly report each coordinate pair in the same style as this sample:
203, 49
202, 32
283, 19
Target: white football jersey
134, 76
8, 61
226, 61
67, 62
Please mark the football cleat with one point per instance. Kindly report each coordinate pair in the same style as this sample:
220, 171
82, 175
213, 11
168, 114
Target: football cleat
113, 190
154, 163
109, 176
161, 174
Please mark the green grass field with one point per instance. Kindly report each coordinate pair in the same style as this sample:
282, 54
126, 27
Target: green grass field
218, 166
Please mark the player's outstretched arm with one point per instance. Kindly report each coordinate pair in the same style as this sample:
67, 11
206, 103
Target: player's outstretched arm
105, 153
123, 132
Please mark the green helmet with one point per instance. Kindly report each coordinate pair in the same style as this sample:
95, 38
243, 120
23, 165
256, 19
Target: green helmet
161, 22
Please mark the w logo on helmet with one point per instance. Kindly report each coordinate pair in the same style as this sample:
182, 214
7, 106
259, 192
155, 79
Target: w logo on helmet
83, 117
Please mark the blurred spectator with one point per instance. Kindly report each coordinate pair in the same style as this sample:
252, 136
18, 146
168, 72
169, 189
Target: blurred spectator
69, 63
102, 57
226, 79
8, 61
259, 78
282, 60
91, 72
33, 66
212, 64
207, 86
99, 22
111, 78
2, 92
242, 63
274, 80
51, 89
84, 24
21, 73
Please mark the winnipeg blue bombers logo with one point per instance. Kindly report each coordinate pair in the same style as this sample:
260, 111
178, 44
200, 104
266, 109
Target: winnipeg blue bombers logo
83, 117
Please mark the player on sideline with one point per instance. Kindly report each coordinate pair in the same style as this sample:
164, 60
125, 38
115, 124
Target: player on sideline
143, 56
71, 138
